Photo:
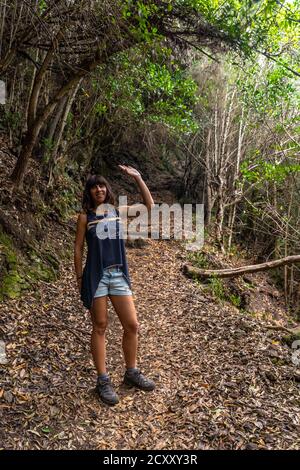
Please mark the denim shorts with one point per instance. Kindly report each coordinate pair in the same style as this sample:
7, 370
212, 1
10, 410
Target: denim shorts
113, 282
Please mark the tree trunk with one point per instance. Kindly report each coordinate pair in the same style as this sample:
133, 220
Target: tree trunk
28, 35
3, 14
28, 145
220, 216
58, 136
33, 133
231, 224
235, 178
225, 273
30, 89
208, 187
33, 102
48, 138
60, 131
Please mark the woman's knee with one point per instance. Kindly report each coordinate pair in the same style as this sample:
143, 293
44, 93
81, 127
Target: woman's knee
99, 328
132, 327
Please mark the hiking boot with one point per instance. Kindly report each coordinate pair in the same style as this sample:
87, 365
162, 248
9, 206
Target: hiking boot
106, 392
135, 378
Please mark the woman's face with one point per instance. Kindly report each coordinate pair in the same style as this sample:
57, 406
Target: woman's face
98, 193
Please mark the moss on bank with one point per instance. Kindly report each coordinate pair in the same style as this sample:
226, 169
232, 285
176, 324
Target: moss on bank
20, 272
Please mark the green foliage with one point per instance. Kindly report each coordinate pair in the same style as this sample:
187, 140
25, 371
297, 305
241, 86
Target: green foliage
11, 282
7, 249
235, 300
139, 14
42, 5
48, 146
264, 25
16, 276
217, 288
266, 171
100, 109
251, 26
144, 90
198, 259
12, 120
146, 84
266, 87
65, 198
216, 285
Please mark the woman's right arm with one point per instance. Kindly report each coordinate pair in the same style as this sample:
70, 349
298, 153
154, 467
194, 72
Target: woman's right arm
79, 246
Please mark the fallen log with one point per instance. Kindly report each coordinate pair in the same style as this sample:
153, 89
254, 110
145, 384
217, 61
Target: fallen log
192, 271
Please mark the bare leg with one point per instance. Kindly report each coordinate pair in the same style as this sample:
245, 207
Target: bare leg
99, 319
125, 309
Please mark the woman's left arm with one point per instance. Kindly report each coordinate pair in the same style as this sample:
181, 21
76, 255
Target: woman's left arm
146, 195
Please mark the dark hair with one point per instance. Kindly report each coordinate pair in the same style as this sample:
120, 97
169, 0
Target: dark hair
92, 180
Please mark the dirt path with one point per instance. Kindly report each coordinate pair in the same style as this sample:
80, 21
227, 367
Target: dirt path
223, 380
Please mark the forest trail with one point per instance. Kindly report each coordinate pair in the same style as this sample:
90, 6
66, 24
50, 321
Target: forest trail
224, 381
207, 111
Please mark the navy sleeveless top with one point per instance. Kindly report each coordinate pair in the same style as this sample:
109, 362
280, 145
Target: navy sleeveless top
106, 247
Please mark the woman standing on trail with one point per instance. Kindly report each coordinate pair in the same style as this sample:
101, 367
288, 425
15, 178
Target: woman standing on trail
106, 275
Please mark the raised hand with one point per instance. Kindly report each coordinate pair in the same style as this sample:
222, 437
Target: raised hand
129, 170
